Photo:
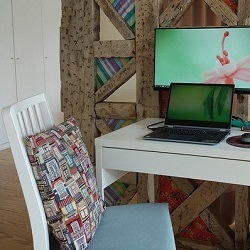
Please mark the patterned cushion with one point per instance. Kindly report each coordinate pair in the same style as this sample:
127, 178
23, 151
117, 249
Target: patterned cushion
66, 182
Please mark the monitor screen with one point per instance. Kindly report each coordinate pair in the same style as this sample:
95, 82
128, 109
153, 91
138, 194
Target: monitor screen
207, 54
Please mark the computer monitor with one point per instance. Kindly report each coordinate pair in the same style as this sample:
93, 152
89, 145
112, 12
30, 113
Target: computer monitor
204, 54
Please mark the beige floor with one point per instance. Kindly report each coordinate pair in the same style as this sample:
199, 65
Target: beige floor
15, 233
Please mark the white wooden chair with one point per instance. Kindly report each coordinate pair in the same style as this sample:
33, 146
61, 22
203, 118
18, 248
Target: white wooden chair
140, 226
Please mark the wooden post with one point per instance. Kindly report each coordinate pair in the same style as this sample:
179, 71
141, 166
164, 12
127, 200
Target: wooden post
241, 217
79, 29
243, 19
146, 21
147, 105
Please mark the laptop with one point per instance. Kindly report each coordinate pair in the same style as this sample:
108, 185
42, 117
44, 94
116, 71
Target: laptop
196, 113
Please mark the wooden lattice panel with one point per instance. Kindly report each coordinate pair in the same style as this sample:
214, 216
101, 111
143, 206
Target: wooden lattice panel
82, 53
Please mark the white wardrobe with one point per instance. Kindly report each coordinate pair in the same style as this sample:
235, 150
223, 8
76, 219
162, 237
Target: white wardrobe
29, 54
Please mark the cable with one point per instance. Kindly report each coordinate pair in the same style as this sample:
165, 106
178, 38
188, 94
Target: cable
150, 126
240, 123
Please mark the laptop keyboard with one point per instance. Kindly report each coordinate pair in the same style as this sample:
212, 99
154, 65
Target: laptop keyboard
208, 134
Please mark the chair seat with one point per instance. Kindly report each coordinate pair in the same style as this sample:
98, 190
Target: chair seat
125, 227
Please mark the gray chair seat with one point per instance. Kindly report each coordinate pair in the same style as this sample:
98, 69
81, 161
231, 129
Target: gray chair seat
125, 228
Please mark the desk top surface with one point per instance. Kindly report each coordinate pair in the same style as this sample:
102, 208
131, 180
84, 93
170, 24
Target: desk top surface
130, 137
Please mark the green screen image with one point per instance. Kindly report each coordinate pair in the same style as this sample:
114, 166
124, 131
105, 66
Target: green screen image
197, 55
209, 103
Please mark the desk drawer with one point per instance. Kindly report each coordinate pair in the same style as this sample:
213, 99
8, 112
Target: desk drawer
178, 165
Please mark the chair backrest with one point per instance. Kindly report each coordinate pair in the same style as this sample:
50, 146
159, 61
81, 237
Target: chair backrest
21, 119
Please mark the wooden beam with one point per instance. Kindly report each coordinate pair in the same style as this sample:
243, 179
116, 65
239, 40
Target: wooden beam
157, 187
103, 127
71, 77
116, 48
223, 11
218, 227
243, 19
212, 219
117, 110
128, 195
147, 12
242, 106
90, 33
185, 243
80, 26
190, 208
187, 186
241, 216
244, 12
142, 188
116, 19
174, 12
116, 81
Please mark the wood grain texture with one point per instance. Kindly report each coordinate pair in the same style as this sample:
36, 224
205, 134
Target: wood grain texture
173, 13
117, 110
128, 195
191, 207
15, 231
243, 19
218, 227
210, 215
79, 28
116, 19
146, 20
241, 217
116, 81
147, 99
72, 54
185, 244
142, 194
103, 127
243, 12
222, 10
117, 48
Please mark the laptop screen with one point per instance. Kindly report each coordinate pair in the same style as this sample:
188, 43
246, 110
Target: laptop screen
200, 105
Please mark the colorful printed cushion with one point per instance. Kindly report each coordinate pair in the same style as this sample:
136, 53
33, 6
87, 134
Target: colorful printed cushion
67, 185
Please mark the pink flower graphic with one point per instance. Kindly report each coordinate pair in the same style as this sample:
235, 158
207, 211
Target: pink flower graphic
227, 70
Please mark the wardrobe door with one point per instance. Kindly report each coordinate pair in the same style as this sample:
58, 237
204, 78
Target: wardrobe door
51, 16
7, 65
29, 51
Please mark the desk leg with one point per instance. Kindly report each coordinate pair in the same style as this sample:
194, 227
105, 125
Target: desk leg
151, 188
99, 170
105, 176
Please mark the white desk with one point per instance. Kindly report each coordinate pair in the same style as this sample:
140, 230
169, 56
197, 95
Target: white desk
125, 151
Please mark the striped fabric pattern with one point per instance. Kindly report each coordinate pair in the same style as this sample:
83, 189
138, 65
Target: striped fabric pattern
119, 123
114, 191
126, 9
107, 67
